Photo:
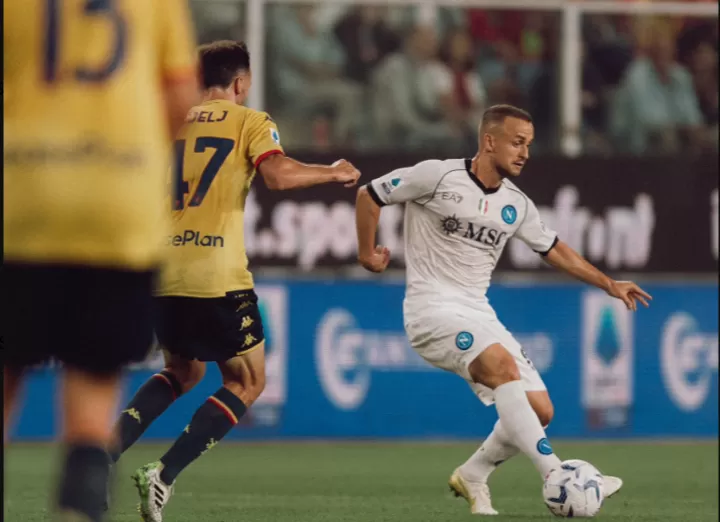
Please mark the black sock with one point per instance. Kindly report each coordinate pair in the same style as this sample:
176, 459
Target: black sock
211, 422
84, 481
155, 396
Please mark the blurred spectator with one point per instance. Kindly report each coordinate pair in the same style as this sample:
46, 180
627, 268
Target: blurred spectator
609, 46
408, 98
542, 97
513, 44
697, 50
306, 70
366, 40
704, 70
594, 101
461, 88
655, 105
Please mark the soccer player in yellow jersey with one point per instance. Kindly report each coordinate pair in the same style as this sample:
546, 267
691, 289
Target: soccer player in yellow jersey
93, 91
207, 307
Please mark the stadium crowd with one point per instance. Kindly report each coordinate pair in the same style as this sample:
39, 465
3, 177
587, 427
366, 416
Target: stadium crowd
377, 77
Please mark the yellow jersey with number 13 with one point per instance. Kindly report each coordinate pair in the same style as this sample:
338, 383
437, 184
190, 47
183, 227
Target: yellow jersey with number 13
86, 141
217, 153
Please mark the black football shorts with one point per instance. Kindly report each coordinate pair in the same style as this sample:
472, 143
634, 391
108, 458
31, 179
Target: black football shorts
93, 319
209, 329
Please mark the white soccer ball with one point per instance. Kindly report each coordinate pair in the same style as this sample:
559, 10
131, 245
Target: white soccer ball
576, 489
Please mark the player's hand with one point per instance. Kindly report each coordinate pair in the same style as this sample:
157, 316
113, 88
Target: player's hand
377, 261
629, 293
344, 172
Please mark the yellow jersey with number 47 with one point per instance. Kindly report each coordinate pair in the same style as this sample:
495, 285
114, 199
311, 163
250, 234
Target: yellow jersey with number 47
217, 153
86, 141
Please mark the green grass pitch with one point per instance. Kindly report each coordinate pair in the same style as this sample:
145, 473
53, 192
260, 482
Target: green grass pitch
380, 482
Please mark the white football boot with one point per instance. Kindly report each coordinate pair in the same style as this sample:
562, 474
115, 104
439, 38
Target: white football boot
154, 493
612, 485
476, 493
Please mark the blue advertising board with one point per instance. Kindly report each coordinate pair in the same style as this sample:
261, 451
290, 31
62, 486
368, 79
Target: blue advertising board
339, 366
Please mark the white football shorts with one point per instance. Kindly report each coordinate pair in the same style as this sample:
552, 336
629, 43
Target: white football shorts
453, 337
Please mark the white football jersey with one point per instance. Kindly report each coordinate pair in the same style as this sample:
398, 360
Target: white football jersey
456, 230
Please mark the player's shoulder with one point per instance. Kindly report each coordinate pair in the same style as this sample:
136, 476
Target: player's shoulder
437, 167
255, 116
514, 192
513, 188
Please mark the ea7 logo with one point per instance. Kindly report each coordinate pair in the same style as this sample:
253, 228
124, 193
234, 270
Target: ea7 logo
450, 196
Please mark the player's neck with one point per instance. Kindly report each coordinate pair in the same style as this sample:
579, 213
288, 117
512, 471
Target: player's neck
485, 172
214, 94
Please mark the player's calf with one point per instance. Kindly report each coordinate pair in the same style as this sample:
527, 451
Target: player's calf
542, 406
243, 381
155, 396
245, 376
188, 373
89, 401
12, 378
495, 368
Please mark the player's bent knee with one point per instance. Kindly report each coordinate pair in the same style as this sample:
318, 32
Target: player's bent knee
545, 414
493, 367
246, 392
542, 406
188, 373
245, 376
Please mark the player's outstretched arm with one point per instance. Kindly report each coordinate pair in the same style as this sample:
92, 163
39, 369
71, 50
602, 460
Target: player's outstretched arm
568, 260
367, 215
283, 173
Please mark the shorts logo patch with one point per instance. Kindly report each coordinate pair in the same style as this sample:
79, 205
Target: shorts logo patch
247, 322
543, 447
509, 214
464, 340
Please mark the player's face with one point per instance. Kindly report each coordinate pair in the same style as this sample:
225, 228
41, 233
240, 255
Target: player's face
242, 87
511, 146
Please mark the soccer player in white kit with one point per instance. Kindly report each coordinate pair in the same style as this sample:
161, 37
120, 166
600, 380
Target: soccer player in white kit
459, 215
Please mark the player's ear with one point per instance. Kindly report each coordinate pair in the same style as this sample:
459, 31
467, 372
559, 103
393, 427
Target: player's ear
488, 142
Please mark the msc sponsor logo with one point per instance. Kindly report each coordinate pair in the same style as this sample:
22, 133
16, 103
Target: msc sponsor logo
485, 235
688, 358
347, 356
196, 238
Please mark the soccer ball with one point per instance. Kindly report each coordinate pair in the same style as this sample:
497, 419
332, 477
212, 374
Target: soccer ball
574, 490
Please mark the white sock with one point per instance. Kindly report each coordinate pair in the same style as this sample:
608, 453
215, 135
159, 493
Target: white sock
496, 449
523, 426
